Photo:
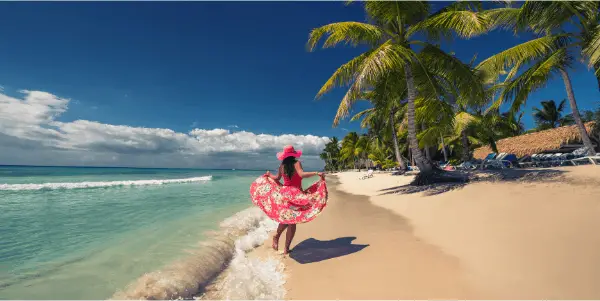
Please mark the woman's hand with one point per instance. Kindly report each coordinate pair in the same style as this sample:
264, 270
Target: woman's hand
268, 174
321, 175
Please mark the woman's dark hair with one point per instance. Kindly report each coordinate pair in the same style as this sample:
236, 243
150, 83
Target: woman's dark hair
288, 166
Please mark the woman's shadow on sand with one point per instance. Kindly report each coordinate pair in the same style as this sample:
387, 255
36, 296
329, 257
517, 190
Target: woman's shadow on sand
312, 250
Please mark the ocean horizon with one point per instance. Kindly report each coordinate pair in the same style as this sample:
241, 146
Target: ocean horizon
83, 166
93, 232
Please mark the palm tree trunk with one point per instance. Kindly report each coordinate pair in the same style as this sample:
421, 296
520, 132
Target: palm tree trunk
571, 95
465, 145
494, 146
426, 148
444, 148
423, 164
395, 138
410, 160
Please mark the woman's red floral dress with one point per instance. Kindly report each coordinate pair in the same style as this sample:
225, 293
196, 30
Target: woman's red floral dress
289, 204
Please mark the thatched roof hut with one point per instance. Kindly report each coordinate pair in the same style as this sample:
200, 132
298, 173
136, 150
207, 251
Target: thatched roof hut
538, 142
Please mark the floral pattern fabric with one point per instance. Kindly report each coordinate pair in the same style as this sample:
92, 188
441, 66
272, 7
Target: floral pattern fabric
289, 204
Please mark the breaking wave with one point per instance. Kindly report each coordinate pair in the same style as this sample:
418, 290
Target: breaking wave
219, 268
81, 185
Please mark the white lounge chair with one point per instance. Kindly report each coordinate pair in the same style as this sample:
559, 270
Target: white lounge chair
368, 175
594, 160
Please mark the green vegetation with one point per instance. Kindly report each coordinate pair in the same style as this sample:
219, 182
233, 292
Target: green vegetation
551, 116
426, 104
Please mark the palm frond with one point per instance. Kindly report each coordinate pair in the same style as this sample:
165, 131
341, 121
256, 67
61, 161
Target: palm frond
353, 33
461, 5
468, 84
345, 74
409, 12
502, 18
592, 48
429, 136
362, 114
464, 23
462, 120
376, 66
524, 53
519, 88
543, 16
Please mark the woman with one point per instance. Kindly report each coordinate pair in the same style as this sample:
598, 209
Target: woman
288, 204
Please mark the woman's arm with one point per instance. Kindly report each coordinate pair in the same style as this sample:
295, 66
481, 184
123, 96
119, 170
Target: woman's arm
304, 174
275, 177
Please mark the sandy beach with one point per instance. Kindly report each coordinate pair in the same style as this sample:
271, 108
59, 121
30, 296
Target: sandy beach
486, 240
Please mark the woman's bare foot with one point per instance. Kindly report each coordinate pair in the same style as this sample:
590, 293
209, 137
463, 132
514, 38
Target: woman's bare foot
275, 243
286, 252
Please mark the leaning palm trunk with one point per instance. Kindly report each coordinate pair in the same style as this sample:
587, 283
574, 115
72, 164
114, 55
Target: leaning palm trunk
395, 138
422, 163
465, 145
571, 95
444, 148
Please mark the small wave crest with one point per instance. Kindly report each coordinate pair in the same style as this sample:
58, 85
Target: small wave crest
219, 268
81, 185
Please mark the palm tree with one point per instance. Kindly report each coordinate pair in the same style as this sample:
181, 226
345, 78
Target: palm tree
348, 152
331, 154
381, 155
386, 101
491, 126
391, 37
361, 150
551, 116
552, 52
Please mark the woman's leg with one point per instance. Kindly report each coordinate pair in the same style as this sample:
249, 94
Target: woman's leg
289, 235
280, 229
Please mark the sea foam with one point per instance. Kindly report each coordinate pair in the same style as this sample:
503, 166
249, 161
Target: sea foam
220, 268
81, 185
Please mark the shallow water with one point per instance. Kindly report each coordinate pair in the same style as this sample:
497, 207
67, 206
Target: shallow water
61, 239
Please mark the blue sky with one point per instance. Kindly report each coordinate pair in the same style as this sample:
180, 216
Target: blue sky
239, 66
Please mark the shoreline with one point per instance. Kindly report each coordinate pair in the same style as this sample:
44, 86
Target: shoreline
490, 239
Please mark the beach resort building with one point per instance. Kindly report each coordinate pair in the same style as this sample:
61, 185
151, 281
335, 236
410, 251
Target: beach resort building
558, 140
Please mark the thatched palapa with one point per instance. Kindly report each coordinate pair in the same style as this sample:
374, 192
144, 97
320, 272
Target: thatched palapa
538, 142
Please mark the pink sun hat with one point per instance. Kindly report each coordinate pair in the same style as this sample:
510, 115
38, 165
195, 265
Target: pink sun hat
289, 151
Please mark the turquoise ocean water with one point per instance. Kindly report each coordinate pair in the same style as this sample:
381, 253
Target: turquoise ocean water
86, 233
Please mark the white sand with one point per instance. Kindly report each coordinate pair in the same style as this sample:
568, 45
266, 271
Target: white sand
513, 240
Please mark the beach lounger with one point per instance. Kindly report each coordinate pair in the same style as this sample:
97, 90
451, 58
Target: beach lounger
467, 166
510, 160
368, 175
490, 156
594, 160
503, 160
525, 161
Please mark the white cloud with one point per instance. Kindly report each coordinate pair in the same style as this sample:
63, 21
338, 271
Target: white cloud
30, 134
233, 126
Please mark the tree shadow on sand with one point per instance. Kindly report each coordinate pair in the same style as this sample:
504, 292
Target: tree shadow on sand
312, 250
503, 175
